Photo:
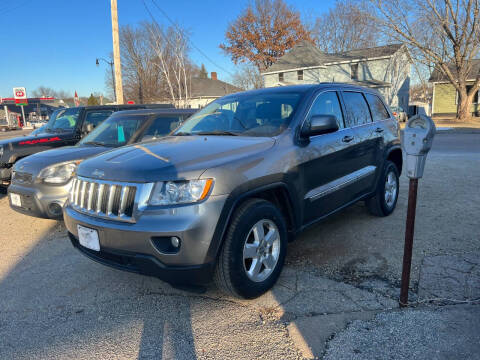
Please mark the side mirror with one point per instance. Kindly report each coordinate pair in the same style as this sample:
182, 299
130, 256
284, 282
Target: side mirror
320, 124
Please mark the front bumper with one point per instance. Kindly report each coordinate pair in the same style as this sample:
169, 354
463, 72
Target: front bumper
40, 200
141, 246
147, 265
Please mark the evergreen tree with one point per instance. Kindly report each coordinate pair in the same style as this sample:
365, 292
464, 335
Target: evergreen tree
92, 100
203, 72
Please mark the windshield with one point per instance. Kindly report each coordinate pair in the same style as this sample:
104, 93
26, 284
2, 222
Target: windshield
113, 132
65, 119
245, 115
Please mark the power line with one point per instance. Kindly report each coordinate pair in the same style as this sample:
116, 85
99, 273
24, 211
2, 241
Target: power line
179, 30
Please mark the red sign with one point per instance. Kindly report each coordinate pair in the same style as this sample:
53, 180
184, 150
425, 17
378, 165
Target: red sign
21, 101
130, 102
19, 93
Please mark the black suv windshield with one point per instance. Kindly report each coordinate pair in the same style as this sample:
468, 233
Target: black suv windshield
65, 119
113, 132
257, 114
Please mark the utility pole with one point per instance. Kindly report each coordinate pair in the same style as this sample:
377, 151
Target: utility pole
116, 54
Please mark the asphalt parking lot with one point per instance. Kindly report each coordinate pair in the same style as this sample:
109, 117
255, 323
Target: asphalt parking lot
13, 133
55, 303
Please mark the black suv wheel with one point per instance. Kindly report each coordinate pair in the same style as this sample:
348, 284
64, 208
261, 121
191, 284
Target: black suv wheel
385, 199
254, 250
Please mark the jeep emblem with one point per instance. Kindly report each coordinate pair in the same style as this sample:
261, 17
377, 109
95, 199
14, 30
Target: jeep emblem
98, 173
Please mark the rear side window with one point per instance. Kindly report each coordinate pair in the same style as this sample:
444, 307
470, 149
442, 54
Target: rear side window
357, 109
377, 108
96, 117
328, 104
161, 126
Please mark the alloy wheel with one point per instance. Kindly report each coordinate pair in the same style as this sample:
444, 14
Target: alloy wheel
261, 250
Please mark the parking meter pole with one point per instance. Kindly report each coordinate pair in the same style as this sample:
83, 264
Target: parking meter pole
409, 231
416, 143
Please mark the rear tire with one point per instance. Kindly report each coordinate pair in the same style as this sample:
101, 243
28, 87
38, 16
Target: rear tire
385, 199
254, 250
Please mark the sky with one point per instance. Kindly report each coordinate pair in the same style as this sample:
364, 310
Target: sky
54, 43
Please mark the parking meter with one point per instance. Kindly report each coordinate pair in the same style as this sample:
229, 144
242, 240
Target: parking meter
417, 142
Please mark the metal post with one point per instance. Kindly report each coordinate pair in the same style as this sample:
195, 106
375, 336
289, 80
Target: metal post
23, 115
409, 231
7, 115
113, 81
116, 53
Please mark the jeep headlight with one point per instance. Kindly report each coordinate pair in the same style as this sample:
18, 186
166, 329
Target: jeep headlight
180, 192
58, 173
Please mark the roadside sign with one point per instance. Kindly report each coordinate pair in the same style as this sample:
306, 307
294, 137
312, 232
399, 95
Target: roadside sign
20, 94
130, 102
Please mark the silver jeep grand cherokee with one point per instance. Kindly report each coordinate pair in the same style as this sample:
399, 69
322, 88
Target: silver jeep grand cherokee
224, 193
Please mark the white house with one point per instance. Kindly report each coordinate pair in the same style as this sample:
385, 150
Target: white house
386, 68
205, 90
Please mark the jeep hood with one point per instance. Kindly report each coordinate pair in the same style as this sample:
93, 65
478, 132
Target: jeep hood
173, 157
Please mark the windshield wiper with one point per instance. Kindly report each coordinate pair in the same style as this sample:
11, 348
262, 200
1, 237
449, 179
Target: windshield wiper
94, 143
218, 132
182, 133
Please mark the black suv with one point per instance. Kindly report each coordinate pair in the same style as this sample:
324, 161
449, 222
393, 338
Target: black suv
225, 191
67, 127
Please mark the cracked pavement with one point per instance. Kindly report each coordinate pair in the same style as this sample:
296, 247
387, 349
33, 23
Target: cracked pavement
336, 298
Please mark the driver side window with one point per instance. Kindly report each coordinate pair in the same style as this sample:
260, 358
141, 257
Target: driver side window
327, 103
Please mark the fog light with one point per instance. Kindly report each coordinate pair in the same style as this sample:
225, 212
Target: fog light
55, 209
175, 241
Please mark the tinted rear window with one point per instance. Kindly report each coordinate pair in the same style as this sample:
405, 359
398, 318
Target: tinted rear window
356, 109
377, 108
162, 126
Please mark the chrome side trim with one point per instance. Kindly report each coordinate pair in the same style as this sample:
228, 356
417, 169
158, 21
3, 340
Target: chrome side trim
339, 183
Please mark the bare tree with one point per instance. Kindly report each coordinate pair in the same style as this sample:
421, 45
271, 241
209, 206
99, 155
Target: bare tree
140, 75
247, 77
171, 50
445, 33
155, 64
346, 26
47, 91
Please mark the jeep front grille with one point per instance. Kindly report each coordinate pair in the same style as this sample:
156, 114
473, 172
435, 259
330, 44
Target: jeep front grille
109, 200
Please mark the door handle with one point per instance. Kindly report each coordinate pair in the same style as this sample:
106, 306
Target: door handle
378, 130
347, 138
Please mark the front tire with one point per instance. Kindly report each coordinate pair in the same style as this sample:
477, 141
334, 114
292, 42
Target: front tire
385, 199
254, 250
